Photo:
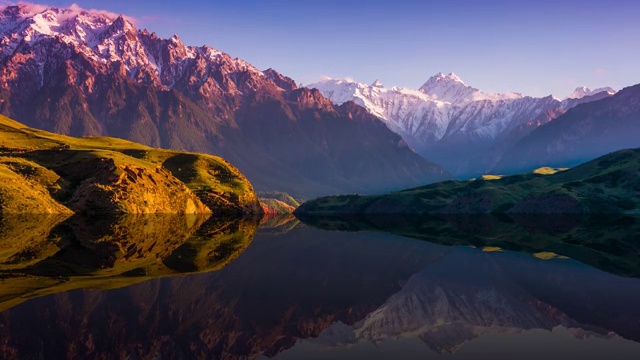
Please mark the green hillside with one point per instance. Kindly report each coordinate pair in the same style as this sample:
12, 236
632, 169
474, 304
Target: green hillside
47, 173
609, 184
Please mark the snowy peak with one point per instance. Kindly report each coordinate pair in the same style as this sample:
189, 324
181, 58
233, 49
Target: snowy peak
111, 41
377, 84
52, 20
440, 78
450, 88
447, 116
581, 92
73, 25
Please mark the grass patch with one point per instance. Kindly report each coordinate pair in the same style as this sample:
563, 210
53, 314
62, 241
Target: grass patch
491, 177
548, 170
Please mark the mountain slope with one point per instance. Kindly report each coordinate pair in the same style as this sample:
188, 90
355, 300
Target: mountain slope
609, 184
583, 133
88, 73
49, 173
461, 127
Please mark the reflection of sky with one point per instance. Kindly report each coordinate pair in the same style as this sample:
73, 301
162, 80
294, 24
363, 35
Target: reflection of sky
536, 47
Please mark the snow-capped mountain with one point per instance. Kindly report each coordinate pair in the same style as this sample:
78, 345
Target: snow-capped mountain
105, 40
451, 122
583, 133
89, 73
583, 91
450, 88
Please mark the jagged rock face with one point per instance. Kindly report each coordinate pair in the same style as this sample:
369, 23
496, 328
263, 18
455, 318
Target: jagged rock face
456, 125
125, 189
82, 73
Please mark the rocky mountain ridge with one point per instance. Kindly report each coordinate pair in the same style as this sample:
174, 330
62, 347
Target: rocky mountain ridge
581, 134
456, 125
88, 73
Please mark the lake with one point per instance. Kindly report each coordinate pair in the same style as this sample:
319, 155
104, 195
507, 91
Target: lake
387, 288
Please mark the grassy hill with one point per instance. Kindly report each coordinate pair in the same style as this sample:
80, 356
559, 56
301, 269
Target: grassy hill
609, 184
49, 173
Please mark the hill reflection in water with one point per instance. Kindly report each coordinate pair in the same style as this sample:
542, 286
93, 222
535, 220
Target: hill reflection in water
47, 254
297, 291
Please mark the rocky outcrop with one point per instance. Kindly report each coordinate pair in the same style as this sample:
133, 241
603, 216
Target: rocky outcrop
48, 173
218, 184
275, 207
130, 189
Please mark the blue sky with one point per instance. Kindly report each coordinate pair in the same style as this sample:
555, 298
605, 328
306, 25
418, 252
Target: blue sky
534, 47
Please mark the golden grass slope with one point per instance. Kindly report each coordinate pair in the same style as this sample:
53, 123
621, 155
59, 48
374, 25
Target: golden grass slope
44, 172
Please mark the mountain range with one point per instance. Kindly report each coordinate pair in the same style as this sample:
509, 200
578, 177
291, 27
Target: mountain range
90, 73
583, 133
87, 73
456, 125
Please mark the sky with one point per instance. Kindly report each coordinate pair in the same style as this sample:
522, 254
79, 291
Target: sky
537, 47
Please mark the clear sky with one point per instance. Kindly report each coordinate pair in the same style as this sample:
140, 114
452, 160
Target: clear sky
536, 47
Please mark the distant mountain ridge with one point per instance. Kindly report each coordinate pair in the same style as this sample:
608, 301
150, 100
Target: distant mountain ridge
583, 91
581, 134
87, 73
460, 127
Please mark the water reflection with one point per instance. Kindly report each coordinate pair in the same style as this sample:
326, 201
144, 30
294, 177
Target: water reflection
610, 243
46, 254
300, 292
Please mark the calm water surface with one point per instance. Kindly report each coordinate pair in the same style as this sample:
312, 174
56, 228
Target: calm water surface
184, 288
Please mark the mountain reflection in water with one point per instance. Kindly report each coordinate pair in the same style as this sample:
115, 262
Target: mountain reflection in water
71, 288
